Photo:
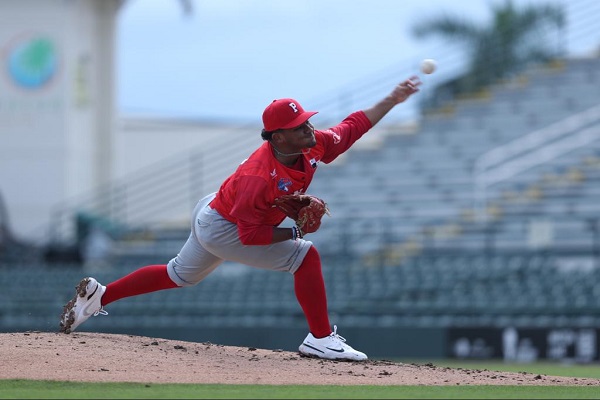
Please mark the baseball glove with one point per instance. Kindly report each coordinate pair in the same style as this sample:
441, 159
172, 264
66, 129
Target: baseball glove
305, 209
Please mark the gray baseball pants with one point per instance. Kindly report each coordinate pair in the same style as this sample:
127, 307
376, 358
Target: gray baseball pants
214, 240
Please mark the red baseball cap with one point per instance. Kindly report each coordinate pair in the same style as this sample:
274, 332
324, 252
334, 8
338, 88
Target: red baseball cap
285, 114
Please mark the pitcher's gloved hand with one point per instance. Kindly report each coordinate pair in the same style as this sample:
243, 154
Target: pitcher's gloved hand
307, 210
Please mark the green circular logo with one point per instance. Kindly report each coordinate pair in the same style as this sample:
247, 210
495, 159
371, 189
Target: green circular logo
32, 62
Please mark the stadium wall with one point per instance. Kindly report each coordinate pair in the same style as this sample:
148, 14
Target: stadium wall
56, 104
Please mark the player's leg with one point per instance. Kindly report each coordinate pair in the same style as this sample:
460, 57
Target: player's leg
310, 291
309, 287
91, 297
302, 260
150, 278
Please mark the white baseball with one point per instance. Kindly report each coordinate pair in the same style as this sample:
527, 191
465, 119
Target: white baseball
428, 66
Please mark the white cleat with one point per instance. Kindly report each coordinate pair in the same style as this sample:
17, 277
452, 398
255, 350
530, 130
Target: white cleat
85, 304
332, 347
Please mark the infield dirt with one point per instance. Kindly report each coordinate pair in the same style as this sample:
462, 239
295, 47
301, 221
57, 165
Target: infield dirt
99, 357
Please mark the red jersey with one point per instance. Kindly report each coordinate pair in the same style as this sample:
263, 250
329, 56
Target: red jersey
247, 196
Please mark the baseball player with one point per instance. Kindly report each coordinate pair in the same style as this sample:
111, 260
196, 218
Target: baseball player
240, 222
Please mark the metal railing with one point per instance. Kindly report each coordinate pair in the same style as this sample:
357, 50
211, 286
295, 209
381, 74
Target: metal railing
534, 149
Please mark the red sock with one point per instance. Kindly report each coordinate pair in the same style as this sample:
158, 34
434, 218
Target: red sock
310, 292
144, 280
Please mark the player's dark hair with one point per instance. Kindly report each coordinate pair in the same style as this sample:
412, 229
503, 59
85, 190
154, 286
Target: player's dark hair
267, 135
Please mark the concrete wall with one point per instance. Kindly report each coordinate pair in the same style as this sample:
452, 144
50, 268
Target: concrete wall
56, 104
196, 157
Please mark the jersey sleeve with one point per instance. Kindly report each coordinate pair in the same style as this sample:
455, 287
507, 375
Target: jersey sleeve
250, 207
341, 137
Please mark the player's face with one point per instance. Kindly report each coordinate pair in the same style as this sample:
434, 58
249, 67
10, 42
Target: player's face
302, 136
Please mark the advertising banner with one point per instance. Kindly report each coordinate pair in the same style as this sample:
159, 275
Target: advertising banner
579, 345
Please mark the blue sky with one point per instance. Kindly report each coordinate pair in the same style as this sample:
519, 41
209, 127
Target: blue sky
230, 58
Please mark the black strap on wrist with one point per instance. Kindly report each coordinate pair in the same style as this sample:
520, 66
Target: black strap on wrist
296, 233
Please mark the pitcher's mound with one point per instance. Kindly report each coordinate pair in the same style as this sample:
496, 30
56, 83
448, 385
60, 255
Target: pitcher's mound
95, 357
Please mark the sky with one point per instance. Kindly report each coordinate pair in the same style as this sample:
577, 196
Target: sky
230, 58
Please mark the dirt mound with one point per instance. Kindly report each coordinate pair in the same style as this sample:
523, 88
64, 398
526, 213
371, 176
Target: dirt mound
98, 357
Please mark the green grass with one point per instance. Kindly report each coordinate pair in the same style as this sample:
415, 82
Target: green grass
543, 368
21, 389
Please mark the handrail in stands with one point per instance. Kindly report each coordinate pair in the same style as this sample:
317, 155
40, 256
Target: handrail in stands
536, 148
